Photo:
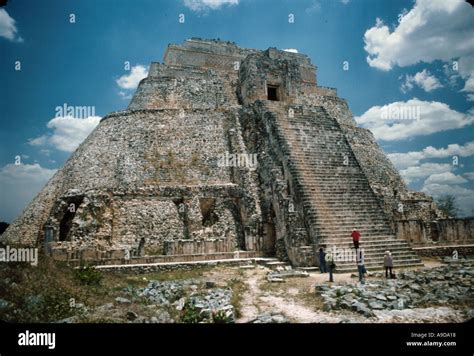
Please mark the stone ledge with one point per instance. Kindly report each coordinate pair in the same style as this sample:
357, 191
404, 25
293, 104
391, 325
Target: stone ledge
166, 266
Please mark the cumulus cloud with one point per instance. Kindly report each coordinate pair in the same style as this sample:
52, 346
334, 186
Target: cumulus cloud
413, 158
464, 196
423, 79
423, 171
8, 27
68, 132
402, 120
204, 5
445, 178
292, 50
18, 186
431, 30
131, 80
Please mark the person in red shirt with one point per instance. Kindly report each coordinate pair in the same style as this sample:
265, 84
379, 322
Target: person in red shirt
355, 238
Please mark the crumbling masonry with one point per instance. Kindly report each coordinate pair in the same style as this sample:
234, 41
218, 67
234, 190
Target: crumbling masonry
171, 178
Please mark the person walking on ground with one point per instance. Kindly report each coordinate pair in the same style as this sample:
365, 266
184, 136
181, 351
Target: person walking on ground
331, 265
388, 264
322, 260
355, 238
360, 259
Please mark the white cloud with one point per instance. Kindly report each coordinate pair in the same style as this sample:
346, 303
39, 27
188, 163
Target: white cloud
424, 170
469, 175
68, 132
431, 30
464, 196
469, 85
19, 185
445, 178
204, 5
423, 79
451, 75
413, 158
125, 95
131, 80
8, 27
292, 50
402, 120
345, 2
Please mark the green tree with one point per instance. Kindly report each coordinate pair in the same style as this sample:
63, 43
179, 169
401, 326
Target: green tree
447, 204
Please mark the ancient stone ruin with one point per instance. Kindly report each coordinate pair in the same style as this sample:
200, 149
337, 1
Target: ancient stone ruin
227, 152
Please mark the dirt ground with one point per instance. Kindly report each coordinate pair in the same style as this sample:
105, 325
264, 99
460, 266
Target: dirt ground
295, 298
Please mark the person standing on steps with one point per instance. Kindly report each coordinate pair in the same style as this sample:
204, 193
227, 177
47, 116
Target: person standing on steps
322, 260
355, 238
360, 259
388, 264
330, 264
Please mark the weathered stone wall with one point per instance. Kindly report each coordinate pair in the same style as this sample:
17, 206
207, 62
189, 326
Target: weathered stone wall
292, 74
211, 54
152, 219
445, 231
196, 90
461, 251
191, 247
334, 106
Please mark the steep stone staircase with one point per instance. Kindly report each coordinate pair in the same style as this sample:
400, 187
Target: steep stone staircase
335, 192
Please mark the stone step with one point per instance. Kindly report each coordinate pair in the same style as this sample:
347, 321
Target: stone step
346, 232
335, 197
371, 268
368, 240
377, 262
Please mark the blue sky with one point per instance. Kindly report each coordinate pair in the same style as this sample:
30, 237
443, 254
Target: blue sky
424, 61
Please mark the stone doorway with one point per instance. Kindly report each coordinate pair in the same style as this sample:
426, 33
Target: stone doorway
272, 92
270, 234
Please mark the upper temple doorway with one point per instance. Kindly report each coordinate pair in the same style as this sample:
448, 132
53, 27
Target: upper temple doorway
272, 93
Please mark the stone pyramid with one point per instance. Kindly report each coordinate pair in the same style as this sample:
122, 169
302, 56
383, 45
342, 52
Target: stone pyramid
224, 152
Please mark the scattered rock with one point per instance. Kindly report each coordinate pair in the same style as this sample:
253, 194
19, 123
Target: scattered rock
375, 305
131, 315
210, 284
430, 286
180, 303
270, 318
122, 300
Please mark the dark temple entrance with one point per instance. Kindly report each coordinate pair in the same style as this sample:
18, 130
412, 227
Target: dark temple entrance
270, 234
272, 92
66, 222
